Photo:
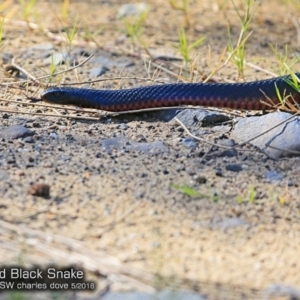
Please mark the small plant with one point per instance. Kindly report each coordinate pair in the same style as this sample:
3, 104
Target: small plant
17, 295
1, 33
182, 5
276, 198
1, 39
52, 68
135, 28
5, 5
281, 98
90, 36
294, 82
184, 46
285, 62
239, 199
27, 8
282, 201
186, 190
250, 196
192, 193
295, 3
65, 9
238, 58
71, 33
286, 100
9, 9
286, 65
214, 196
53, 75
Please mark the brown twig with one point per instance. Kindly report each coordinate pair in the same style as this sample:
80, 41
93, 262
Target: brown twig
22, 70
49, 115
204, 140
114, 78
85, 110
51, 75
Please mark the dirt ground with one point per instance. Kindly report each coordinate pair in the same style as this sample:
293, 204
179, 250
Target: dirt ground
121, 215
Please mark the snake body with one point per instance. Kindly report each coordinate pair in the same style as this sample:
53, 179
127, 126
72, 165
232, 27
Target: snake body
242, 96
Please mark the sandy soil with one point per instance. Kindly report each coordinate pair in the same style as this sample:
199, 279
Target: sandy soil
118, 214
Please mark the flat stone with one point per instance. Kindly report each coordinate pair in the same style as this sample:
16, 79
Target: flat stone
228, 153
29, 139
132, 9
285, 137
103, 61
189, 143
42, 47
201, 117
272, 176
97, 72
15, 132
123, 143
6, 57
59, 58
229, 223
234, 167
3, 175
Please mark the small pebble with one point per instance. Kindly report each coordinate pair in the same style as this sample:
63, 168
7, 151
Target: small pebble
219, 173
53, 135
39, 190
234, 167
123, 126
229, 153
227, 142
272, 176
189, 143
200, 179
10, 160
29, 139
20, 173
36, 125
97, 72
3, 175
132, 9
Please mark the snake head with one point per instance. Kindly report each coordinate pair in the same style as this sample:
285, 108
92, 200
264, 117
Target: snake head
55, 95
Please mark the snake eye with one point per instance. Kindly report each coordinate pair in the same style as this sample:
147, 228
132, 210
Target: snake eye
57, 94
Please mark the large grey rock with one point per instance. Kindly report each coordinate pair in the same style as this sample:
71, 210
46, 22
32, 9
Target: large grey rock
285, 137
282, 290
